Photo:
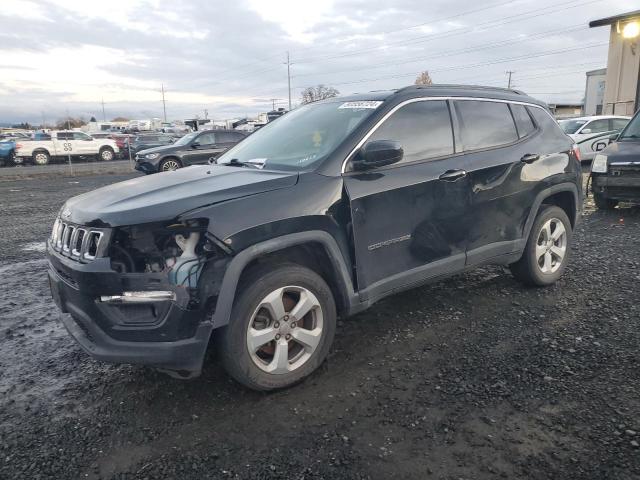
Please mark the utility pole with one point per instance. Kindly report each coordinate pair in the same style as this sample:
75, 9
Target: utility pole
164, 105
289, 78
509, 72
206, 114
104, 116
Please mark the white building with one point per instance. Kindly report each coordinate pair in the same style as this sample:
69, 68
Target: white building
594, 92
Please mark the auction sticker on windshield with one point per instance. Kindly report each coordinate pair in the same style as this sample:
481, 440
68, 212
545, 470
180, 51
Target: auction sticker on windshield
362, 104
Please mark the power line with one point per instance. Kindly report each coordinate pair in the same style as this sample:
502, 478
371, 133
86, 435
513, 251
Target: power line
459, 51
482, 64
425, 38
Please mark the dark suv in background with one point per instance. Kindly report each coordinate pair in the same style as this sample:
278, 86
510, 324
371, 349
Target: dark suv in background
319, 214
192, 149
615, 171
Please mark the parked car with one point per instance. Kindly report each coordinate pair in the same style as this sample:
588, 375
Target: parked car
64, 143
319, 214
122, 141
151, 140
7, 152
192, 149
588, 131
615, 171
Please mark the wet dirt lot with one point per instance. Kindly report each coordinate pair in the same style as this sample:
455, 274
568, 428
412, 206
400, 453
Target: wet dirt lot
475, 377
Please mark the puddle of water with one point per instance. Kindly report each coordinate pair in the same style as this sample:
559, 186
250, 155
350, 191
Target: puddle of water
34, 247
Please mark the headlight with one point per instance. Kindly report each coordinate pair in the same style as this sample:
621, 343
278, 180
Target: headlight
151, 156
599, 164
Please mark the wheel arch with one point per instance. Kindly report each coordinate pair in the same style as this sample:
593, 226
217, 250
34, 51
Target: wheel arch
309, 249
565, 195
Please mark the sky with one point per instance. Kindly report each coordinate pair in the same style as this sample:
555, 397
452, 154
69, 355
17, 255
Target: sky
62, 57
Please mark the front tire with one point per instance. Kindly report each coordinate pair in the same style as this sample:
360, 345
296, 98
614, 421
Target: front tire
169, 165
282, 326
106, 154
547, 250
604, 203
41, 158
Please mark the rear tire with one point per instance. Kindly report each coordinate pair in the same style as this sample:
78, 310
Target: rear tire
41, 158
604, 203
106, 154
282, 326
547, 250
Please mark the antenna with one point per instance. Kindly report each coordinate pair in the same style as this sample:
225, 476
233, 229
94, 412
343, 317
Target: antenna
164, 105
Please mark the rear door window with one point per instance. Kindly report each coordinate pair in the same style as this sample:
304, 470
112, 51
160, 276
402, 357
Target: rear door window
423, 129
618, 123
524, 124
206, 139
596, 126
485, 124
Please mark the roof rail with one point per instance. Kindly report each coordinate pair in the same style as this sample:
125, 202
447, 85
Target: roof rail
462, 87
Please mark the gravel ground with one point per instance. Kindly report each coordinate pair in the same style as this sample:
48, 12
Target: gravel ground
76, 169
475, 377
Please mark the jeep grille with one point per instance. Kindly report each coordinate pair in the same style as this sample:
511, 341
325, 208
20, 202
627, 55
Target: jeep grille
75, 241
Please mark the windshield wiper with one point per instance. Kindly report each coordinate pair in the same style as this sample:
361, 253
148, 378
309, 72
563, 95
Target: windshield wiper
234, 162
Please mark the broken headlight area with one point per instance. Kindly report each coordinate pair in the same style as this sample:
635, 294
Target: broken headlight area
175, 252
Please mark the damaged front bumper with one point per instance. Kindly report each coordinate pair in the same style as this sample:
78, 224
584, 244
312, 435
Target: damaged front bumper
621, 182
159, 330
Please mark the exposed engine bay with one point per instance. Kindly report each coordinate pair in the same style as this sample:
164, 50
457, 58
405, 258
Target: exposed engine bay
178, 249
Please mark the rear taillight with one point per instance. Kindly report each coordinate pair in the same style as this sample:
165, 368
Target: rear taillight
18, 146
576, 151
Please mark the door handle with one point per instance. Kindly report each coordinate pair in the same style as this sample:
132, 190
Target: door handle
530, 158
452, 175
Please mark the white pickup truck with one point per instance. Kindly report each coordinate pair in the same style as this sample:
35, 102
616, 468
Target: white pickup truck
64, 143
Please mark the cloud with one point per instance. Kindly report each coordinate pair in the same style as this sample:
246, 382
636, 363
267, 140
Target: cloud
61, 55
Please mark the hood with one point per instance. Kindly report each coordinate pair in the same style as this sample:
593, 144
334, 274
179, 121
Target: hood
160, 149
624, 151
165, 196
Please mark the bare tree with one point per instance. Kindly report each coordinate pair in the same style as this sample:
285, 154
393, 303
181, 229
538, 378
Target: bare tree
70, 122
313, 94
424, 79
120, 119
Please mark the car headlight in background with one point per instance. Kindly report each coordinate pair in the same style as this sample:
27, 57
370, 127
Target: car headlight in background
599, 164
151, 156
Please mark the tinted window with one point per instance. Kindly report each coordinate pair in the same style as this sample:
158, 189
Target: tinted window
546, 122
422, 128
64, 136
207, 139
571, 126
485, 124
597, 126
228, 137
80, 136
523, 120
619, 123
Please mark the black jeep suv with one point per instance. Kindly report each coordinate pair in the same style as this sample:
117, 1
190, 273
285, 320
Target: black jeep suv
192, 149
615, 171
321, 213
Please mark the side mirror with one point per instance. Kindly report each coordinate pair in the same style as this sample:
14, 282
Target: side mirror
195, 144
600, 146
614, 137
585, 130
378, 153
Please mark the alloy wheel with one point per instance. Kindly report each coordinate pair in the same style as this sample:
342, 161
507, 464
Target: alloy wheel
107, 155
551, 246
41, 158
285, 330
170, 165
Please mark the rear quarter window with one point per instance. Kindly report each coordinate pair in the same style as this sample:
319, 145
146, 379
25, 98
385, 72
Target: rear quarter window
524, 123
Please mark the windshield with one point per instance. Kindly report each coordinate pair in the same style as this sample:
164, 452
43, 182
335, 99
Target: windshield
571, 126
632, 131
186, 139
301, 138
